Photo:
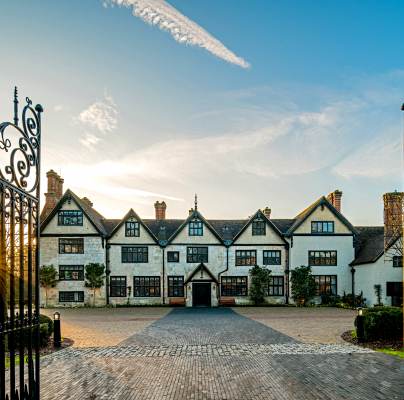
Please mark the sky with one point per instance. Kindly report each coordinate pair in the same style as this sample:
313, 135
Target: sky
248, 103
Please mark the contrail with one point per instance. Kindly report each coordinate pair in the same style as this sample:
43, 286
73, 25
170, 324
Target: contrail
181, 28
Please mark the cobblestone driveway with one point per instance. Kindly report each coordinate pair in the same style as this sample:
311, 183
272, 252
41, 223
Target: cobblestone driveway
219, 354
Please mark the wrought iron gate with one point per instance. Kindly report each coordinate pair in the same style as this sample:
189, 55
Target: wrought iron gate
19, 253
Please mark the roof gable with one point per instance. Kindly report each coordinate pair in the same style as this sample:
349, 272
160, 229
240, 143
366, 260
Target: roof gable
132, 214
321, 202
95, 218
269, 223
201, 267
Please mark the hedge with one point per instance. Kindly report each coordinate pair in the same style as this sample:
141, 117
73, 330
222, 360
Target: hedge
383, 323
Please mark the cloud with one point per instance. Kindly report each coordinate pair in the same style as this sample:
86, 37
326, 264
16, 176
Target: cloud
89, 140
58, 108
159, 13
101, 115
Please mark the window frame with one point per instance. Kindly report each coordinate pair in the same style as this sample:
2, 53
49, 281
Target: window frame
175, 282
276, 286
148, 286
322, 223
259, 230
135, 229
173, 260
80, 294
195, 227
322, 262
397, 261
317, 280
79, 217
133, 257
79, 244
197, 257
239, 257
266, 258
237, 288
117, 286
63, 268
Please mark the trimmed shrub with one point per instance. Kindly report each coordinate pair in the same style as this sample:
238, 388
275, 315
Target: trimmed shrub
330, 300
383, 323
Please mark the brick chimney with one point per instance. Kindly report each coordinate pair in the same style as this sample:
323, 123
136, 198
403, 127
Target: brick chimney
87, 201
267, 212
393, 215
335, 199
160, 208
54, 193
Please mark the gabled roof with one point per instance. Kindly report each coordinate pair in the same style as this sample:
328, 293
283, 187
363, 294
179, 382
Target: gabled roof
95, 218
322, 201
132, 214
193, 215
269, 222
201, 266
370, 244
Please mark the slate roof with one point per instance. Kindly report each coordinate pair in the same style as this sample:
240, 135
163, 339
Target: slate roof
370, 244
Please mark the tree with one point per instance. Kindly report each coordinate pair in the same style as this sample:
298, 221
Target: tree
47, 279
303, 285
259, 284
94, 277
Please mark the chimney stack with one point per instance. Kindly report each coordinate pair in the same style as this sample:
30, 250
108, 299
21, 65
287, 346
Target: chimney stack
87, 201
54, 193
393, 216
335, 199
267, 212
160, 209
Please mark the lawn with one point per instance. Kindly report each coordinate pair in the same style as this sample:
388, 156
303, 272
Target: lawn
393, 352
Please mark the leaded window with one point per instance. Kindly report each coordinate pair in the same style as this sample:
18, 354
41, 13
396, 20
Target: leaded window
117, 286
322, 227
271, 257
146, 286
197, 254
326, 284
71, 272
234, 286
196, 228
275, 286
322, 257
71, 246
135, 254
258, 227
132, 229
397, 261
71, 297
173, 256
175, 286
246, 257
70, 217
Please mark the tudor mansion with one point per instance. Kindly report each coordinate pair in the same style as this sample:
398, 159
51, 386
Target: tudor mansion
198, 261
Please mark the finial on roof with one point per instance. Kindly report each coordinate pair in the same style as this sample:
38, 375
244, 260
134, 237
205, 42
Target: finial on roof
196, 202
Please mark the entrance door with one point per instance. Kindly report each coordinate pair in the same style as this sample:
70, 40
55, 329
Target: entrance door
201, 294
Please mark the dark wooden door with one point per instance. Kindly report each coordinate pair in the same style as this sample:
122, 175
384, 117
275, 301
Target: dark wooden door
201, 294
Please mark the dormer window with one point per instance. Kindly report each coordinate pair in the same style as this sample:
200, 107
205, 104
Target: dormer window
322, 227
196, 228
70, 217
132, 229
258, 227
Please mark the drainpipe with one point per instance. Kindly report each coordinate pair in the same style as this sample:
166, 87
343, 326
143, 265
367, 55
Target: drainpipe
107, 271
164, 271
287, 273
353, 286
226, 269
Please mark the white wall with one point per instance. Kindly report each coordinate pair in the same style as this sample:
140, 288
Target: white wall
377, 273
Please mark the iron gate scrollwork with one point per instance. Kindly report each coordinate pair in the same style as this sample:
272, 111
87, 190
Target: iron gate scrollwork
20, 143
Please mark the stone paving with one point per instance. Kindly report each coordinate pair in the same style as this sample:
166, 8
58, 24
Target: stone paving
218, 354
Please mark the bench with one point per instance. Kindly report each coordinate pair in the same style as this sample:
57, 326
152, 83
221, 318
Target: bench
179, 301
227, 301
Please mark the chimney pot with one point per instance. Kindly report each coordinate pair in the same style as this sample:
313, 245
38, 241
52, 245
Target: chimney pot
87, 201
267, 212
160, 209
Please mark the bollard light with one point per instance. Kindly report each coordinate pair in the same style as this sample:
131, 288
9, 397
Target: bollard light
360, 326
57, 337
360, 311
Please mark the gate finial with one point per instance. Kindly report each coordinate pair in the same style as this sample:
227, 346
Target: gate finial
15, 105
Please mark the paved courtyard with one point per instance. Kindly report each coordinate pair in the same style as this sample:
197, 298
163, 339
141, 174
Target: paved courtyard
158, 353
